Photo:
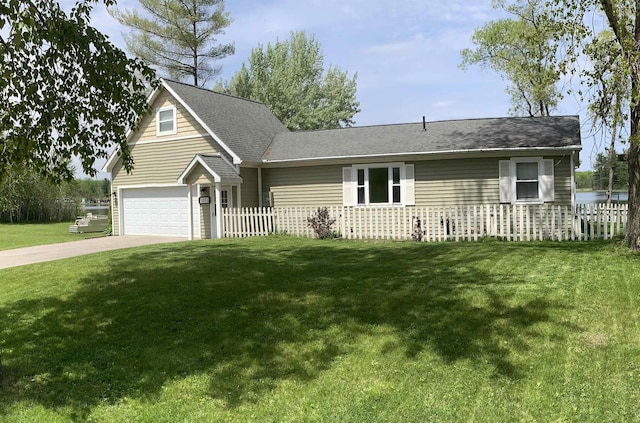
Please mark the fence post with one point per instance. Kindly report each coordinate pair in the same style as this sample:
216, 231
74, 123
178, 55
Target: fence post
513, 222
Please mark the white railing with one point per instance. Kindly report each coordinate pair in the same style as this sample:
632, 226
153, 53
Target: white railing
452, 223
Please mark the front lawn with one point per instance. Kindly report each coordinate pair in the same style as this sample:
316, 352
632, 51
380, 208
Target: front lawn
29, 234
293, 330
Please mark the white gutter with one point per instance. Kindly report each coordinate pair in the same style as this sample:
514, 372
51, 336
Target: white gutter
425, 153
573, 182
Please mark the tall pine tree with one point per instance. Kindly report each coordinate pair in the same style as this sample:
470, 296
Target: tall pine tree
178, 36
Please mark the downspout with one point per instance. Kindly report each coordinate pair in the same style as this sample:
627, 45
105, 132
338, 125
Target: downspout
112, 201
573, 181
576, 218
120, 221
190, 208
218, 209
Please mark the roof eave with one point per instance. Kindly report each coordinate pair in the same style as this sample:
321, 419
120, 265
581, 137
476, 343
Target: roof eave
198, 159
424, 153
236, 159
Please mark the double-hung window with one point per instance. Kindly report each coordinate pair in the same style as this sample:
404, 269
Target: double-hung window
378, 184
527, 183
166, 121
526, 180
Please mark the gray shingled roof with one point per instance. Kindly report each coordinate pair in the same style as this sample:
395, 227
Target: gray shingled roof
555, 132
220, 166
246, 127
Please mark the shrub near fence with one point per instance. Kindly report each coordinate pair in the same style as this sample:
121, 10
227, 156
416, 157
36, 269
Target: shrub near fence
431, 224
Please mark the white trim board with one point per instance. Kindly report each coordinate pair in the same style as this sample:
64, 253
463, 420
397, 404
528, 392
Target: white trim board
236, 158
507, 151
169, 139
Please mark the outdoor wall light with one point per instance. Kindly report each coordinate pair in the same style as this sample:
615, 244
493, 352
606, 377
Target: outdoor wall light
115, 195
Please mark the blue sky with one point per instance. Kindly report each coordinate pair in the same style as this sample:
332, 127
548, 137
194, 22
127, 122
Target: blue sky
406, 54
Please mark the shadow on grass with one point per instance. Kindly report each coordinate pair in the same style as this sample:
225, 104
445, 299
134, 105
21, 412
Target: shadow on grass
252, 314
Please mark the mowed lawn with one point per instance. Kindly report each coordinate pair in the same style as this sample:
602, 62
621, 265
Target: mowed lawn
294, 330
29, 234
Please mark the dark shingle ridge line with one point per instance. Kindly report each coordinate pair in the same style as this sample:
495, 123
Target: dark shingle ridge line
502, 118
442, 136
210, 91
173, 81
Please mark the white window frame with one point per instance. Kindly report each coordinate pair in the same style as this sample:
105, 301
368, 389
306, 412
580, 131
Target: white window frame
174, 129
228, 190
514, 179
389, 167
545, 182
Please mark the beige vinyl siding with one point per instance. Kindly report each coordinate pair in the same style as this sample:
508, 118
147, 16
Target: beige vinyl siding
475, 181
304, 186
186, 124
233, 191
249, 191
199, 175
205, 221
437, 183
456, 182
161, 162
161, 159
115, 219
445, 182
562, 179
205, 213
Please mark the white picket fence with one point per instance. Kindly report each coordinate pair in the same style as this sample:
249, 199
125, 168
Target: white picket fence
431, 224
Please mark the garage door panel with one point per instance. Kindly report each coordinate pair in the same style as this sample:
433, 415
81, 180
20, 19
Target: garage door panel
156, 211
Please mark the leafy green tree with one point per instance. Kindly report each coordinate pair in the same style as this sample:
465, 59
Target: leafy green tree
601, 172
607, 104
289, 77
521, 50
89, 189
178, 36
623, 19
584, 180
65, 90
26, 196
106, 187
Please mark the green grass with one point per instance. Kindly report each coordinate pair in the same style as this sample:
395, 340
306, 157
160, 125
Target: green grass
30, 234
291, 330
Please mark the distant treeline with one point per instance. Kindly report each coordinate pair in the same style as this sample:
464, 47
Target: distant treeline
598, 178
27, 197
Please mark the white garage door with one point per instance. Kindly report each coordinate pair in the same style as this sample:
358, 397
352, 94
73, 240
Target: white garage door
155, 211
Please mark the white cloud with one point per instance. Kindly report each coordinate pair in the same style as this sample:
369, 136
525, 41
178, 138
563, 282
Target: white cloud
406, 53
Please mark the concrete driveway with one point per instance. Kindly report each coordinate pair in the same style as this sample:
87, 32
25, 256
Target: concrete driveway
41, 253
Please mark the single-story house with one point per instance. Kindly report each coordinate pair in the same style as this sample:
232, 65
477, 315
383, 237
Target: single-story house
199, 152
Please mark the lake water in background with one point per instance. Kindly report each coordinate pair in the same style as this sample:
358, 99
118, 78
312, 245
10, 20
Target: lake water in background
601, 197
